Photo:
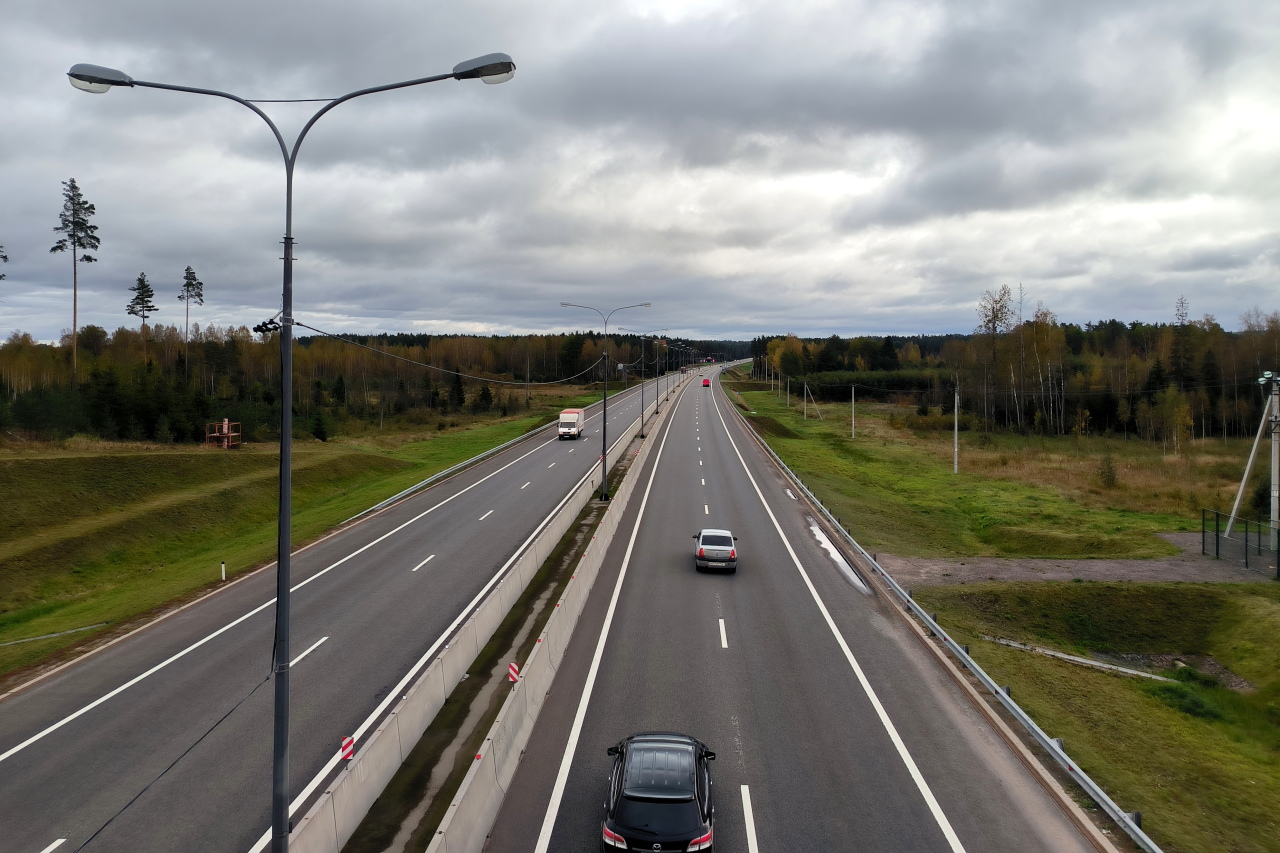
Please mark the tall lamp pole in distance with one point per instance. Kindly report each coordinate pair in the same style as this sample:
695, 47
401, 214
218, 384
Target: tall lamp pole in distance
604, 418
643, 335
95, 79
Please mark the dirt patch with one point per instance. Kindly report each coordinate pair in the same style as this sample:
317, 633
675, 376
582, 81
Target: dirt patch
1206, 665
1190, 566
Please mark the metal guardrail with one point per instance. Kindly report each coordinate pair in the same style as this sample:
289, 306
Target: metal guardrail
1050, 745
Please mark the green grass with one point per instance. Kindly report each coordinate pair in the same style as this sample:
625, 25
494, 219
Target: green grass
1201, 762
98, 534
900, 496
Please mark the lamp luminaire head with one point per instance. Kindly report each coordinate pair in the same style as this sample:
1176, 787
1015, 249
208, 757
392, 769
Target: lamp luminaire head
96, 79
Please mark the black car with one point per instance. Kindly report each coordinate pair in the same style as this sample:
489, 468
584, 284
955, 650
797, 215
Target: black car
659, 795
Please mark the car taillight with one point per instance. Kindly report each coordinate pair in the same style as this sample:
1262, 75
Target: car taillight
702, 842
613, 839
733, 553
700, 553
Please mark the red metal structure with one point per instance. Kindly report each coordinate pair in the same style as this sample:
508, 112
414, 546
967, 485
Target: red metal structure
225, 434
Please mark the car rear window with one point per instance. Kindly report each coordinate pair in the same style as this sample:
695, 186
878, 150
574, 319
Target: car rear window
717, 540
659, 817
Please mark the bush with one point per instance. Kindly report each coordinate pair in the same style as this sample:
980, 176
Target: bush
1107, 469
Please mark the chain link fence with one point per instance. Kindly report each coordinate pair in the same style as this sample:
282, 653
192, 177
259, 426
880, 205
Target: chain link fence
1250, 543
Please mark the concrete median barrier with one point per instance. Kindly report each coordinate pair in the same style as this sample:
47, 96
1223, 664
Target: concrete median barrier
330, 822
475, 806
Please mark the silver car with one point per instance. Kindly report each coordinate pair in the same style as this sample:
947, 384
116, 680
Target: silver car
715, 550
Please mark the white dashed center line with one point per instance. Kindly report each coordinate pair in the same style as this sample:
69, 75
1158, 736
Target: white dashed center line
429, 559
699, 462
570, 449
706, 510
314, 646
526, 484
752, 845
486, 515
54, 846
552, 465
704, 481
724, 641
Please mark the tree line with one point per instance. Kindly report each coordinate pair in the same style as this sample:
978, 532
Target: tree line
166, 382
1024, 370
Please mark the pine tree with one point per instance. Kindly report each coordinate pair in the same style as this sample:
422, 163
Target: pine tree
73, 223
142, 306
1180, 357
192, 291
4, 259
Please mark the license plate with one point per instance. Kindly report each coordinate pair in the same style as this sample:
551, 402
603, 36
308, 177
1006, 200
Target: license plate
716, 565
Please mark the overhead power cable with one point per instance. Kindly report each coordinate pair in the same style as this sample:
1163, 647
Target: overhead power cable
442, 369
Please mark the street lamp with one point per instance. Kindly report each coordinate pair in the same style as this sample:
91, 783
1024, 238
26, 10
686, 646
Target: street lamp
95, 79
604, 424
655, 363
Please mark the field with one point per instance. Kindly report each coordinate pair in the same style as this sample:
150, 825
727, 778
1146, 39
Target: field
1015, 496
98, 534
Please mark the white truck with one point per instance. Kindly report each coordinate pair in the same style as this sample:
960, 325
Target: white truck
572, 423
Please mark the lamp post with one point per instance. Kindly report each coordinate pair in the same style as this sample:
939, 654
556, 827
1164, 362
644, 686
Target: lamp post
655, 382
604, 418
95, 79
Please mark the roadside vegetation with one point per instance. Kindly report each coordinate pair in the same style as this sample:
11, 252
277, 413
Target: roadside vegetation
1070, 496
1200, 758
98, 533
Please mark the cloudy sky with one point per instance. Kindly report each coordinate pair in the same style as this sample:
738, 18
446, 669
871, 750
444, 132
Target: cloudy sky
848, 167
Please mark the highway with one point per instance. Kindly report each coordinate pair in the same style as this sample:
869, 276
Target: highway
835, 728
371, 603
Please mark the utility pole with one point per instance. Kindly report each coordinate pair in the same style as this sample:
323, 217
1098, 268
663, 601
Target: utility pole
955, 450
853, 411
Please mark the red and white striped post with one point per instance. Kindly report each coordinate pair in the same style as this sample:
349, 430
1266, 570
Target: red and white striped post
348, 748
513, 672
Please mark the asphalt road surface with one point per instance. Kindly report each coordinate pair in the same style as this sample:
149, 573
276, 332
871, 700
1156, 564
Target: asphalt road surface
370, 603
834, 728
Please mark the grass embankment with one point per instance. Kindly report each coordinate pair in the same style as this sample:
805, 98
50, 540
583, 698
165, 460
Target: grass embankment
1200, 761
1015, 496
98, 532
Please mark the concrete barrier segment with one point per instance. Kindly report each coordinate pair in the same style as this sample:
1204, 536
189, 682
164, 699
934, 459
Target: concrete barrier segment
322, 837
364, 780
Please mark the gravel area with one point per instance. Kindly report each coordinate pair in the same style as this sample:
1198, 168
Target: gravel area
1190, 565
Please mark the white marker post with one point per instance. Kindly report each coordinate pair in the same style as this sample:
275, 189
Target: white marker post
224, 569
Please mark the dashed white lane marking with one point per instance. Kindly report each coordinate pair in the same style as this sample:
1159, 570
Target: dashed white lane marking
313, 647
704, 481
522, 488
953, 840
429, 559
752, 845
724, 641
552, 465
793, 497
705, 510
699, 463
54, 846
486, 515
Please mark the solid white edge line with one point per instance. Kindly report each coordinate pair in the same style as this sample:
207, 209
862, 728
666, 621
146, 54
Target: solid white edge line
749, 817
423, 563
54, 846
724, 641
395, 694
925, 791
314, 646
557, 791
84, 710
486, 515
